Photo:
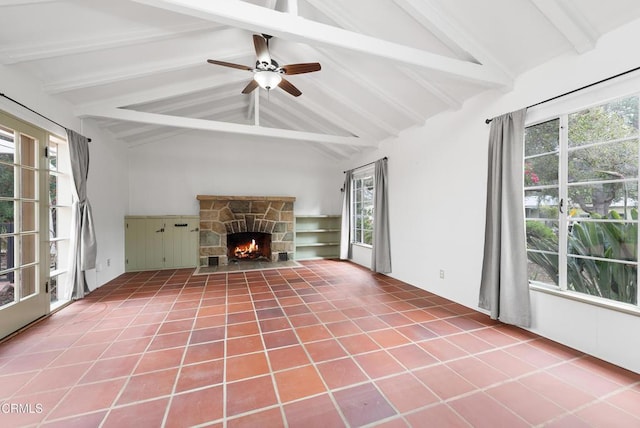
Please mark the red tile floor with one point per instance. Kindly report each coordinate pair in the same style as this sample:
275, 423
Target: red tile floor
325, 345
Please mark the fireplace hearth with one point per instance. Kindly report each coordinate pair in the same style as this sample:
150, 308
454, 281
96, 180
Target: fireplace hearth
262, 225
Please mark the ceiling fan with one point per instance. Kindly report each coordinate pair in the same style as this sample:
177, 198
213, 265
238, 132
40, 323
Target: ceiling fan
268, 73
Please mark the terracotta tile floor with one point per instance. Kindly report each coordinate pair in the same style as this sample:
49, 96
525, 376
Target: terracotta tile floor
327, 344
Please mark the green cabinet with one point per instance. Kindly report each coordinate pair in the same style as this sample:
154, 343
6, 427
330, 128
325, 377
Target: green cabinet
317, 237
161, 242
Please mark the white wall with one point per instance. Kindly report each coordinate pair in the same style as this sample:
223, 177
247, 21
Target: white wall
437, 186
107, 184
166, 176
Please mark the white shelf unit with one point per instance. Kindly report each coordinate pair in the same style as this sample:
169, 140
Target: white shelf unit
317, 237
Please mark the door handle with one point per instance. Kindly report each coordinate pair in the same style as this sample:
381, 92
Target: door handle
561, 203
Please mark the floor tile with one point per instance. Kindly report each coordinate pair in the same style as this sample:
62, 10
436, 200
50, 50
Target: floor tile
88, 398
298, 383
530, 406
271, 418
196, 407
148, 385
482, 411
111, 368
406, 393
245, 366
440, 415
363, 404
200, 375
377, 364
150, 413
250, 394
314, 412
341, 373
288, 357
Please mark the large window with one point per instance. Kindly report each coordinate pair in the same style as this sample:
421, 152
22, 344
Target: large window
362, 207
581, 201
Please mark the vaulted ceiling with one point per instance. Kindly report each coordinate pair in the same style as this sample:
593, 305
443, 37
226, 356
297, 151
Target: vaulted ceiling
139, 67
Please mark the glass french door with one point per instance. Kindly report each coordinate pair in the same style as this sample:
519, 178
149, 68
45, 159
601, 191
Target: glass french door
24, 296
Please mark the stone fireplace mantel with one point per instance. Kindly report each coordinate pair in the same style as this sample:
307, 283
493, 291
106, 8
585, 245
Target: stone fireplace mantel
222, 215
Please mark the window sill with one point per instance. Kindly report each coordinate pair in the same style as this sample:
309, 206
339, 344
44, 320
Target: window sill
584, 298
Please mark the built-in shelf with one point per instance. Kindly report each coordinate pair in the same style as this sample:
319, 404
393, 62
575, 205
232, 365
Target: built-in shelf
317, 237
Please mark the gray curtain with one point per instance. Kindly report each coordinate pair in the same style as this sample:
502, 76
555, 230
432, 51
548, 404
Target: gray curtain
381, 254
504, 288
345, 230
83, 239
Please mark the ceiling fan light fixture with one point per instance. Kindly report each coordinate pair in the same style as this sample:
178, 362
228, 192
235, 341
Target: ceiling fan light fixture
267, 79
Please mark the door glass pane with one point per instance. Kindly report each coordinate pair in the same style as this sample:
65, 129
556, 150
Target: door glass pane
7, 182
28, 281
7, 295
7, 253
7, 216
28, 249
28, 216
28, 150
28, 185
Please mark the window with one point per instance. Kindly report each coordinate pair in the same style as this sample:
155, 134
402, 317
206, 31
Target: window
362, 207
581, 201
59, 213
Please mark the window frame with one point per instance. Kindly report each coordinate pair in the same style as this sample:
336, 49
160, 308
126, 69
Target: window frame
562, 110
358, 235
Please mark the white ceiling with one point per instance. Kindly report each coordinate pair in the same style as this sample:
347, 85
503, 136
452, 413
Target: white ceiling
139, 66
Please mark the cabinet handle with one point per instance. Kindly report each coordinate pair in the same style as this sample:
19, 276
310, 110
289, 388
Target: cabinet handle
161, 230
181, 224
195, 230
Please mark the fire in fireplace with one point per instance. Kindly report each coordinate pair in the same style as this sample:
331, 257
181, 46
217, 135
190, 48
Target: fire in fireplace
249, 246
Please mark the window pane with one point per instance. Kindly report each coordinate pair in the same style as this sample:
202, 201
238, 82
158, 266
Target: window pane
613, 161
542, 138
541, 170
543, 267
615, 281
53, 156
541, 203
599, 199
618, 119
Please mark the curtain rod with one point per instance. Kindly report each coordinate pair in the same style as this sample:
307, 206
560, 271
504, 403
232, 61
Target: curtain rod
487, 121
33, 111
362, 166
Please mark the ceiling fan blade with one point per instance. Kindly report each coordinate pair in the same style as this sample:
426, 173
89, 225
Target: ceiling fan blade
230, 64
308, 67
262, 50
250, 87
288, 87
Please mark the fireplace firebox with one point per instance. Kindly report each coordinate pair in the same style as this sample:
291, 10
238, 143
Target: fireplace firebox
249, 246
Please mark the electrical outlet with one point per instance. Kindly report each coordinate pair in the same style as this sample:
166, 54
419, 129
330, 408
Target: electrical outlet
108, 262
441, 273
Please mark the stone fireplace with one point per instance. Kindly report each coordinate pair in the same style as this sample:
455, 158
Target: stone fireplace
238, 228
